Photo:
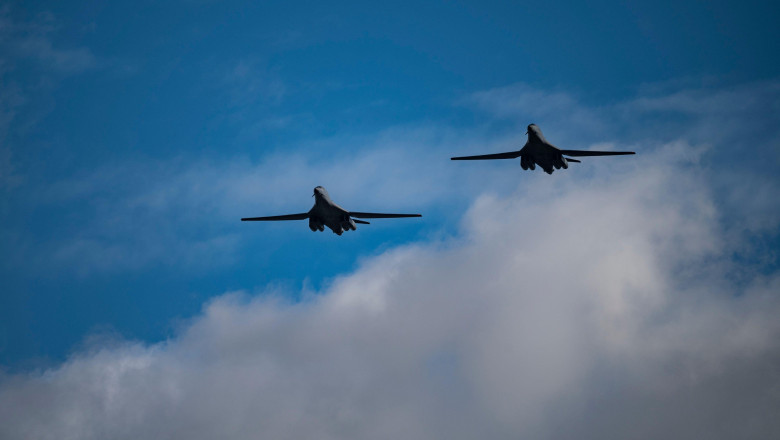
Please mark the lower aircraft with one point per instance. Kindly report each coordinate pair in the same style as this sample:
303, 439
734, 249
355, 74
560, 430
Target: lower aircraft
537, 151
326, 213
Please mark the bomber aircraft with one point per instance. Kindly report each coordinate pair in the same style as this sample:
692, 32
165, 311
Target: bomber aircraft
326, 213
538, 151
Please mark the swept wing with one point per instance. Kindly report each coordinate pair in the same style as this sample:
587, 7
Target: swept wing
302, 216
509, 155
582, 153
377, 215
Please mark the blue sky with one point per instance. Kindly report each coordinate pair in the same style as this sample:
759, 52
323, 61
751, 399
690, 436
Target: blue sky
134, 135
92, 88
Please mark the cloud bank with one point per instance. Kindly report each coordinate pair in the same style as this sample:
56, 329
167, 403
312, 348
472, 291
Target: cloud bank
604, 308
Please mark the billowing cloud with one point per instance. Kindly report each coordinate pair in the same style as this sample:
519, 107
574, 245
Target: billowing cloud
605, 308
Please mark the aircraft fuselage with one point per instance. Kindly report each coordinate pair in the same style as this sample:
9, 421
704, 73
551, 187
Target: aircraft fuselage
537, 151
325, 212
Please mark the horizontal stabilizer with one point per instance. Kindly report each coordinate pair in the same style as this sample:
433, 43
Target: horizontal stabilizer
582, 153
303, 216
509, 155
376, 215
362, 222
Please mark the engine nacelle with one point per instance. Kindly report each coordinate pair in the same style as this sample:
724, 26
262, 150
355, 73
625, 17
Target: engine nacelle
564, 163
314, 225
523, 163
348, 224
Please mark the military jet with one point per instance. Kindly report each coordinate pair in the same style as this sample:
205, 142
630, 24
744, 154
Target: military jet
326, 213
538, 151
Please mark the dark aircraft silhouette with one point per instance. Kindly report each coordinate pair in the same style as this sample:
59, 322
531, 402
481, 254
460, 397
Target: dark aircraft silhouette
537, 151
326, 213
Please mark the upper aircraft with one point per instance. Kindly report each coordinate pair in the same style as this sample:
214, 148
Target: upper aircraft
537, 151
326, 213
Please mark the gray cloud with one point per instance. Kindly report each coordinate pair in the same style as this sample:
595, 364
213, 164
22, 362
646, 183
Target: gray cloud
597, 309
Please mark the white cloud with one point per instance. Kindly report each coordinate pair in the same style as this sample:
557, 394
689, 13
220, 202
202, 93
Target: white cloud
595, 309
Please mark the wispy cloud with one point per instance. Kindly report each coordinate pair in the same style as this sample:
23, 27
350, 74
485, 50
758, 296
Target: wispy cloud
33, 40
10, 99
128, 209
716, 114
205, 194
61, 60
23, 41
598, 308
250, 81
526, 104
